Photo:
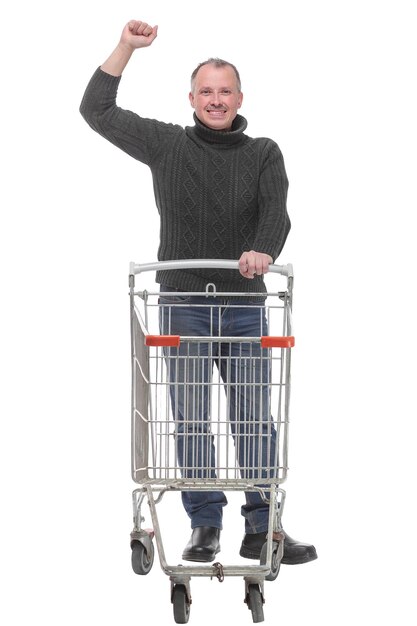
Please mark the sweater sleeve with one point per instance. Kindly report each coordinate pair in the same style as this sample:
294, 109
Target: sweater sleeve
139, 137
273, 221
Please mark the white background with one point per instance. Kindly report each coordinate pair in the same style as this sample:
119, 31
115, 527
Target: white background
333, 83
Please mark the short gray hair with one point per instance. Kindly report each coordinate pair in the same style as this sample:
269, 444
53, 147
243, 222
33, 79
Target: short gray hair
217, 63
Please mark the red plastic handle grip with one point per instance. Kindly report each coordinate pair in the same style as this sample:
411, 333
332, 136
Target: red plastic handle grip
277, 342
162, 340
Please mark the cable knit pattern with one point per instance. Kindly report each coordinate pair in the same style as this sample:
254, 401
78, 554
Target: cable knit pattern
218, 193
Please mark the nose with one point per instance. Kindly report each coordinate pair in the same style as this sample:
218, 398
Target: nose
215, 100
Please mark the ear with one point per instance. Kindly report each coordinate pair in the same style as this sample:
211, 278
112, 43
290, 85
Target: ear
191, 98
240, 100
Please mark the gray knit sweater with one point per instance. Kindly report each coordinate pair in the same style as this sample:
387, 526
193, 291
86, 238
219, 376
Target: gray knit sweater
218, 193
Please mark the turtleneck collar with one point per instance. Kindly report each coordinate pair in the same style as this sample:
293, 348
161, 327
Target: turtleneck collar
220, 137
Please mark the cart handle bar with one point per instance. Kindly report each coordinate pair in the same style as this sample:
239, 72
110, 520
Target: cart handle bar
224, 264
175, 340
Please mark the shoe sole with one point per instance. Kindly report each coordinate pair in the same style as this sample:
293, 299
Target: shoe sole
248, 554
299, 561
200, 558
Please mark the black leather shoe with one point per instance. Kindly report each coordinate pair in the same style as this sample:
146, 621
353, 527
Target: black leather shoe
295, 552
203, 545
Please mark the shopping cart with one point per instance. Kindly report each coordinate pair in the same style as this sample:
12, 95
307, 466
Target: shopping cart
175, 386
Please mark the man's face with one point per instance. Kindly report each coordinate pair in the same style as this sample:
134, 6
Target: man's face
216, 98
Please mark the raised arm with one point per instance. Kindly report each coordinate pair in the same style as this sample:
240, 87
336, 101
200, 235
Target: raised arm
137, 136
136, 34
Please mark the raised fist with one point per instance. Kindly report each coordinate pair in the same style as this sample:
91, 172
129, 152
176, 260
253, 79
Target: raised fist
138, 34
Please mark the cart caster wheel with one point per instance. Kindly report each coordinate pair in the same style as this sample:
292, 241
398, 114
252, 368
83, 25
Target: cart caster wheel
255, 603
275, 563
142, 560
181, 604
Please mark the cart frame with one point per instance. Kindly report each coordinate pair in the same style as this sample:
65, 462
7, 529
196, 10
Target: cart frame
154, 480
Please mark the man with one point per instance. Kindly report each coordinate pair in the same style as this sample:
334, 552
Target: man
220, 194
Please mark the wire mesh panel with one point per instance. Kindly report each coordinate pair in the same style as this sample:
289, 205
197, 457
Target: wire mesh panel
209, 408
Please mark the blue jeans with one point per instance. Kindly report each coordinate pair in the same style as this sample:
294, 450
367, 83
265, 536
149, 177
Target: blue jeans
245, 374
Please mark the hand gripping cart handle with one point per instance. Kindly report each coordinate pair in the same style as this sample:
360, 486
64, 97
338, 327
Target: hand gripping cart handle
210, 411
